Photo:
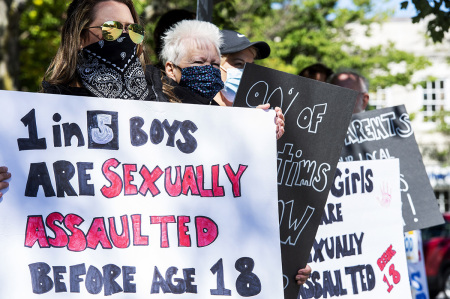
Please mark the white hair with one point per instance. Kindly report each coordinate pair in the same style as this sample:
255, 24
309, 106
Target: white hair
181, 36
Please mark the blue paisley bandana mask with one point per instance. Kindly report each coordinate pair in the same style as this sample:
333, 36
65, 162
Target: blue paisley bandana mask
204, 80
112, 69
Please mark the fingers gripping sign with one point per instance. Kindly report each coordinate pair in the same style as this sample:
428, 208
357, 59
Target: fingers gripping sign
279, 118
4, 175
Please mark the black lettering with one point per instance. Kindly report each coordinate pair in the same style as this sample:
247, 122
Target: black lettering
75, 279
137, 135
33, 142
352, 271
171, 131
64, 172
83, 178
337, 192
110, 273
159, 282
127, 273
94, 280
40, 281
156, 132
180, 286
307, 292
369, 185
370, 277
71, 130
39, 176
188, 279
60, 287
57, 131
190, 144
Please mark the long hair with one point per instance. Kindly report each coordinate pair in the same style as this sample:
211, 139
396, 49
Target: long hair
80, 14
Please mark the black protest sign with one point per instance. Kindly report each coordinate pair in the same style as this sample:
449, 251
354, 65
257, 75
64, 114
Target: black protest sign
387, 133
316, 119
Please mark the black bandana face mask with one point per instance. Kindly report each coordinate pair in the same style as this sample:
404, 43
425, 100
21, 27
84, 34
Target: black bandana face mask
112, 69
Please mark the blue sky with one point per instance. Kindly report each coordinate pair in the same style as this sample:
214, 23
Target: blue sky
385, 5
382, 5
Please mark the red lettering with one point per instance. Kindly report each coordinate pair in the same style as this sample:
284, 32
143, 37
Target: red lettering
123, 240
189, 181
235, 178
385, 258
173, 189
77, 241
149, 180
184, 240
207, 231
217, 190
97, 234
36, 232
163, 220
200, 182
115, 180
390, 287
130, 189
60, 239
138, 239
395, 274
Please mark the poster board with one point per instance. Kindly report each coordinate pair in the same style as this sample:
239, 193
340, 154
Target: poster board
416, 265
137, 199
316, 119
359, 249
387, 133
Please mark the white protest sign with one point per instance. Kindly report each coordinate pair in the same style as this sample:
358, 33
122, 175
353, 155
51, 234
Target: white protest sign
137, 200
359, 249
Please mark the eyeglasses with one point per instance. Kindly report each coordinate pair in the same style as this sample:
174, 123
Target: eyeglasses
111, 30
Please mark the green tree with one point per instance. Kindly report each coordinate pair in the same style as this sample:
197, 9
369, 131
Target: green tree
301, 33
40, 27
437, 14
10, 12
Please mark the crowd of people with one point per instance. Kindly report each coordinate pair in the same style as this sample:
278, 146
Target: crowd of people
102, 54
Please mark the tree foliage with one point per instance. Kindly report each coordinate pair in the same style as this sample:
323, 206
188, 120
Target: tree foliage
40, 27
299, 32
435, 12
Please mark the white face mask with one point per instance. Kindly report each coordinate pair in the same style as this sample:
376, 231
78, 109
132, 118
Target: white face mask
234, 76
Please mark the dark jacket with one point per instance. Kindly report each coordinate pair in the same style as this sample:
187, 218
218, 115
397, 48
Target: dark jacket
186, 96
152, 75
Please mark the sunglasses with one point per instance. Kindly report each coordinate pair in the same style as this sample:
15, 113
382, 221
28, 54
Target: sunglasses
111, 30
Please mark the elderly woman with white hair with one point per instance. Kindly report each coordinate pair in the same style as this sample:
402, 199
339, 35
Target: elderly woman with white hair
191, 56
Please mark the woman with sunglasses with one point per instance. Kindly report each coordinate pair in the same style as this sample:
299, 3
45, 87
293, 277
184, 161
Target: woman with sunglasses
101, 54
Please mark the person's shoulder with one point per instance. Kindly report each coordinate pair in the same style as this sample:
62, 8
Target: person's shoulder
153, 76
64, 89
187, 96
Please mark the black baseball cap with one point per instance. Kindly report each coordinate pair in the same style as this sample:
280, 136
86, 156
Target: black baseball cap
234, 42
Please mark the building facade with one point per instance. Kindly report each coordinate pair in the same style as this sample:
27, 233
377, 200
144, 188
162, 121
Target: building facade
427, 98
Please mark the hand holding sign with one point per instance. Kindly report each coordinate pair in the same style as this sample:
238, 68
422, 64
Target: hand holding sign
4, 175
279, 118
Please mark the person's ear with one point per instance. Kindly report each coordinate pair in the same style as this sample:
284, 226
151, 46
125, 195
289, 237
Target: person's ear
170, 70
365, 100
